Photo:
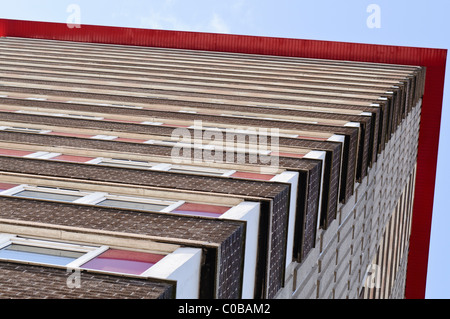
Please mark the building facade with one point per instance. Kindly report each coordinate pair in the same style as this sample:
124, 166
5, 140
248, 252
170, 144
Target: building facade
204, 174
364, 252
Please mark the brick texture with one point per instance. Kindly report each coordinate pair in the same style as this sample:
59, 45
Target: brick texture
19, 281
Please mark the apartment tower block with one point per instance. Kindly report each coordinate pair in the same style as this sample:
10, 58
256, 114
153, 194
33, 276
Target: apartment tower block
160, 164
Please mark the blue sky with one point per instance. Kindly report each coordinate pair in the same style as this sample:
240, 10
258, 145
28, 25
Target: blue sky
403, 22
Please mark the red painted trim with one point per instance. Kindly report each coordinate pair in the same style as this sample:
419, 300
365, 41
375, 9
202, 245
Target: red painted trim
3, 23
433, 59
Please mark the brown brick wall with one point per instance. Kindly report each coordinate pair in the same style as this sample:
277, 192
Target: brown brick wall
20, 281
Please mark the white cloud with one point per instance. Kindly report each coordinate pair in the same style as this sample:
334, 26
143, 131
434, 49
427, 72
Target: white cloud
217, 25
157, 20
166, 18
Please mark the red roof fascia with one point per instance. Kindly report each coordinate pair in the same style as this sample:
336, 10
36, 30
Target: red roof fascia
433, 59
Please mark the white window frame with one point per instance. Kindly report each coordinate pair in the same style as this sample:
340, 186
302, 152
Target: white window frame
163, 166
24, 187
107, 104
170, 205
152, 123
104, 137
36, 98
82, 116
93, 198
251, 150
89, 251
24, 129
254, 131
87, 117
43, 155
137, 164
201, 170
270, 118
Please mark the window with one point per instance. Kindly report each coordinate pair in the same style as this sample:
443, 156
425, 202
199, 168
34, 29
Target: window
251, 131
107, 104
45, 193
131, 205
270, 118
37, 98
186, 169
52, 253
187, 111
23, 129
47, 196
61, 115
70, 134
83, 116
200, 170
73, 158
190, 171
104, 137
152, 123
137, 203
41, 251
126, 163
167, 143
42, 155
39, 254
93, 198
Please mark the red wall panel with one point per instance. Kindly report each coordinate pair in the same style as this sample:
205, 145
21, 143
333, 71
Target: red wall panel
433, 59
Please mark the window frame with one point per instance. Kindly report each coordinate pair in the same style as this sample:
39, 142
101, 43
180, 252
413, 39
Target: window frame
93, 198
166, 167
8, 239
44, 189
24, 129
104, 137
170, 204
89, 252
67, 115
126, 162
200, 170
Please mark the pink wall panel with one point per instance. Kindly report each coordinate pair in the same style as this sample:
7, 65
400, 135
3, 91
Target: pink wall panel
9, 152
5, 186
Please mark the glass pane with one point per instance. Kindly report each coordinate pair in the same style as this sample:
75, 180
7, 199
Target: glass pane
187, 171
39, 254
122, 261
23, 129
49, 196
132, 205
125, 164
